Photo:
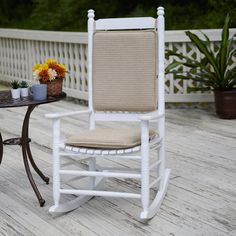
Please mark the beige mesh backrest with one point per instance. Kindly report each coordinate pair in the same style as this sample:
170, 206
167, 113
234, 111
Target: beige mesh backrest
124, 71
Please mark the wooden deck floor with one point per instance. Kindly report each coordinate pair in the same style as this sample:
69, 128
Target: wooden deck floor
201, 199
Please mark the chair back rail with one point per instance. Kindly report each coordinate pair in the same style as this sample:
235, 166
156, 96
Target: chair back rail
125, 23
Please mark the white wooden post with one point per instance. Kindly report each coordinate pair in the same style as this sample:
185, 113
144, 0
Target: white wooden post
161, 58
161, 90
90, 51
91, 15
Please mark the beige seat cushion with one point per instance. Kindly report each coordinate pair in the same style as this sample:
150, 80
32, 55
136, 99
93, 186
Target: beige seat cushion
108, 138
124, 71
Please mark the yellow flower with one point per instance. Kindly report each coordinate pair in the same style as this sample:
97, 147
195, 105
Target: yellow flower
36, 67
43, 67
62, 66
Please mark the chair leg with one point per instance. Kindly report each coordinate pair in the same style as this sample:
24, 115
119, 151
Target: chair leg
56, 162
164, 175
156, 203
161, 168
77, 202
161, 152
95, 182
145, 167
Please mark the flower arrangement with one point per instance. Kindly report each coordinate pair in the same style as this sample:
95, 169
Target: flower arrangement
49, 71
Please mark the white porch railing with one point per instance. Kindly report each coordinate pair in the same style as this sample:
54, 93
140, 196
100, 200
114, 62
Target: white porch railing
21, 49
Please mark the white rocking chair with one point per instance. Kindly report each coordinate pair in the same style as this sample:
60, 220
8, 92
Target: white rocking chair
126, 83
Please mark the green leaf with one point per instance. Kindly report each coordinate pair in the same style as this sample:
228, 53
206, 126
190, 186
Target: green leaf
174, 53
229, 77
195, 89
207, 39
224, 46
232, 84
190, 64
204, 61
171, 66
203, 49
230, 54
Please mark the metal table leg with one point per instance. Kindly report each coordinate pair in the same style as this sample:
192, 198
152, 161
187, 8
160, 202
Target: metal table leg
1, 148
39, 172
27, 155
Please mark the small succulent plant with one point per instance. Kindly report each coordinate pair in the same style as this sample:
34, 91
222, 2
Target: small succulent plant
15, 84
24, 84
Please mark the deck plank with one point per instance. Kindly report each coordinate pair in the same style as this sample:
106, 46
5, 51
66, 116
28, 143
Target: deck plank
201, 198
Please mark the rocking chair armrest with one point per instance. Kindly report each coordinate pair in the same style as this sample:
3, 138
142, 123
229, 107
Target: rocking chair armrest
151, 116
65, 114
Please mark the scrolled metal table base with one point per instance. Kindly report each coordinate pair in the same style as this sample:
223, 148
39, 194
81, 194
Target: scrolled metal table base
6, 101
24, 141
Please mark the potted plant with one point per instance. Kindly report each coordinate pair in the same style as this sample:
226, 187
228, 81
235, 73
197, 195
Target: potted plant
15, 91
214, 71
24, 91
51, 73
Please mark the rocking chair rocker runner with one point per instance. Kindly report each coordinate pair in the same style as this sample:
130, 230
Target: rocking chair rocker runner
126, 83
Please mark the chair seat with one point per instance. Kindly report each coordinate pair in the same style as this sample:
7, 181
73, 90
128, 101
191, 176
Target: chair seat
108, 138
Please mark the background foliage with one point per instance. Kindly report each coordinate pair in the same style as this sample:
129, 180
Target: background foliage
71, 15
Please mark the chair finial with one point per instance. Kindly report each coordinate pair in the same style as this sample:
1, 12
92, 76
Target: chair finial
91, 13
160, 11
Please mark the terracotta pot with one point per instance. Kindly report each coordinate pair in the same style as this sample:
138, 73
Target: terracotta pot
225, 103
